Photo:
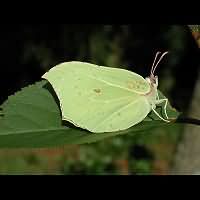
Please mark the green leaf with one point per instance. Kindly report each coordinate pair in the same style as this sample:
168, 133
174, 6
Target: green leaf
32, 119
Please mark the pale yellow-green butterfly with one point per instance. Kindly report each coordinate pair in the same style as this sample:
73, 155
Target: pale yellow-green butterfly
103, 99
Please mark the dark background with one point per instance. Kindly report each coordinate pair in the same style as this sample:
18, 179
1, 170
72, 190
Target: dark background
29, 50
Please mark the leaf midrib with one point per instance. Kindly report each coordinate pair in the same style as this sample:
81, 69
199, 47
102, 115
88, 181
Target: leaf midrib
26, 131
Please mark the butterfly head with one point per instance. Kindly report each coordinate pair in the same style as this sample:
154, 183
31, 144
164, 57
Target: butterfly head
152, 79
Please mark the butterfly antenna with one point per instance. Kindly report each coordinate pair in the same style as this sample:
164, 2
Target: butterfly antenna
154, 69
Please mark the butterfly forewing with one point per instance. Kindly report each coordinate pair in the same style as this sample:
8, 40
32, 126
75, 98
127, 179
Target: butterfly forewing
99, 99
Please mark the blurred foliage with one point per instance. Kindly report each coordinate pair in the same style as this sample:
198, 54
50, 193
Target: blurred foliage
42, 46
144, 153
195, 29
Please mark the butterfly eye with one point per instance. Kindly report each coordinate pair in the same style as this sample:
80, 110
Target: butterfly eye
156, 80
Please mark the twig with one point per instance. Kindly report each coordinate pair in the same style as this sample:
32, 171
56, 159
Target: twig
187, 120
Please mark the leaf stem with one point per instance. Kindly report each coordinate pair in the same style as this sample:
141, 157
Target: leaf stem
187, 120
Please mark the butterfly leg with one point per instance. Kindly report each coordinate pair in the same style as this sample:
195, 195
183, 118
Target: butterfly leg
159, 115
157, 97
165, 107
